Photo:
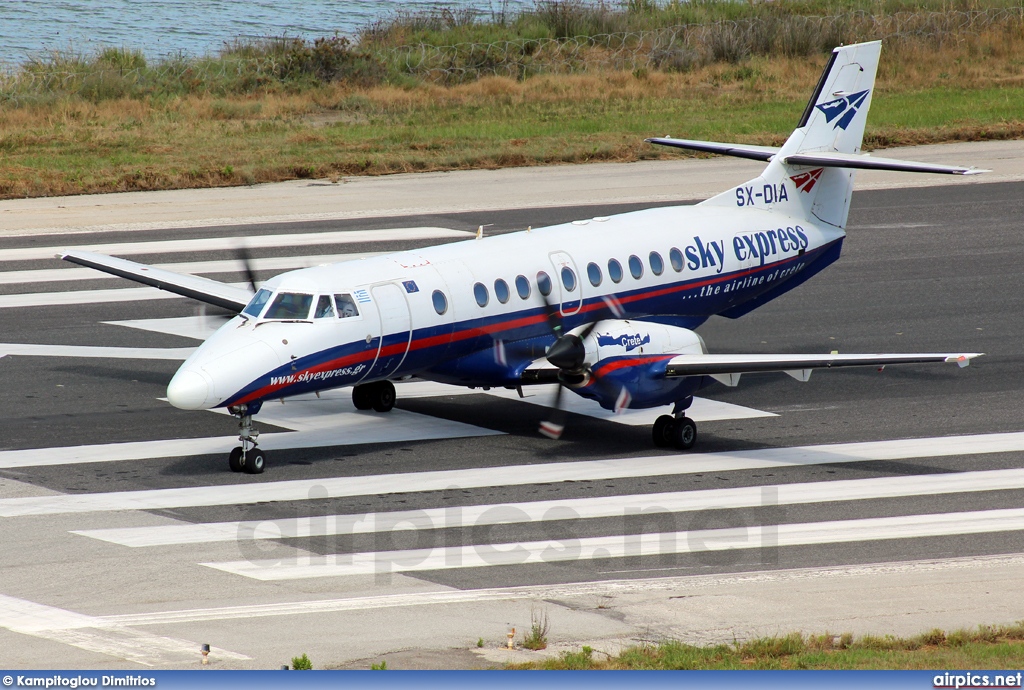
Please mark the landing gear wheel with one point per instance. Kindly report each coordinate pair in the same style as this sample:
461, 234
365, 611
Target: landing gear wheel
361, 397
383, 397
235, 459
254, 461
684, 433
662, 430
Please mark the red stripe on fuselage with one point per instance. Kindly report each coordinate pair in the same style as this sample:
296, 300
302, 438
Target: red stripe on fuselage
475, 331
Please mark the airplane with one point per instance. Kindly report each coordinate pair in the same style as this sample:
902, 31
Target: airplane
605, 307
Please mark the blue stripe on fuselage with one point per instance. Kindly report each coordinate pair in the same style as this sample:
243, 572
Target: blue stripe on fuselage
473, 335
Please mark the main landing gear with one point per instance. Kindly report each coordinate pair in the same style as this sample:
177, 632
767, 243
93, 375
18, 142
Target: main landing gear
247, 457
379, 396
675, 430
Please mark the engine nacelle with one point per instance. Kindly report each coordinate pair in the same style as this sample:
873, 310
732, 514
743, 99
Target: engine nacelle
627, 338
631, 356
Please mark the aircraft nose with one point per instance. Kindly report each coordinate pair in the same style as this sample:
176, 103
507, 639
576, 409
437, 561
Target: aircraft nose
190, 390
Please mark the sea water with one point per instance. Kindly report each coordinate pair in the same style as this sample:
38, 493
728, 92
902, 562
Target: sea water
31, 28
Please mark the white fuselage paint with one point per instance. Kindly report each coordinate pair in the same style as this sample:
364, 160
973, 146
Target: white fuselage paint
250, 360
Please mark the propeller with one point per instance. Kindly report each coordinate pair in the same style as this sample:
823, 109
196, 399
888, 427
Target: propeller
568, 353
247, 266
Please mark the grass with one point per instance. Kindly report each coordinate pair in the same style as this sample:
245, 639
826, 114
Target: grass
988, 647
284, 109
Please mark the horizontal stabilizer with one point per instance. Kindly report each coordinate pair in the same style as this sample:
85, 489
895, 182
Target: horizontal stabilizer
202, 289
822, 159
723, 365
868, 162
749, 151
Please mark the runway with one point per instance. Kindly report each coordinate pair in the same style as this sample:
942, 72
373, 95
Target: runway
127, 542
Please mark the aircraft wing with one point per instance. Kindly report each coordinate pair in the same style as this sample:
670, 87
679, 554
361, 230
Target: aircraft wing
727, 368
754, 153
202, 289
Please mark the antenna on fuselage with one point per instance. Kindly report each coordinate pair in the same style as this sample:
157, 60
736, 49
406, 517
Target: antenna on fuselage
480, 230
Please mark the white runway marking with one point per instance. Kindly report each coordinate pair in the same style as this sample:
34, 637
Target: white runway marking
276, 263
621, 546
179, 354
195, 327
562, 591
702, 410
209, 244
516, 475
620, 506
52, 299
99, 635
320, 428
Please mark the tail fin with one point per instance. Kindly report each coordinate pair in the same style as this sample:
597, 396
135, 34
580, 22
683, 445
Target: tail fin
832, 122
811, 175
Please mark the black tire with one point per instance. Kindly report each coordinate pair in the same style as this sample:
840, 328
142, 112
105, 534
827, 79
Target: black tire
235, 459
684, 433
255, 461
661, 431
361, 397
383, 396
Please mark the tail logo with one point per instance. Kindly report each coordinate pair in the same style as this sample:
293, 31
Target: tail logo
805, 181
843, 108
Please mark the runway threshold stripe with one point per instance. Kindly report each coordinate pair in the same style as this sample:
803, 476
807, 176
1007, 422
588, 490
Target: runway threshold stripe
609, 588
623, 546
98, 635
515, 475
53, 299
177, 354
273, 263
208, 244
622, 506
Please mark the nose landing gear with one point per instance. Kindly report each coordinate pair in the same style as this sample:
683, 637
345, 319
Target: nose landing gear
247, 457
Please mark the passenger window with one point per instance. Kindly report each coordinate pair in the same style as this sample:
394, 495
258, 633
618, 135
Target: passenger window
480, 292
346, 306
614, 270
594, 273
324, 308
544, 283
523, 287
568, 279
440, 302
256, 304
292, 306
501, 290
657, 263
636, 267
676, 257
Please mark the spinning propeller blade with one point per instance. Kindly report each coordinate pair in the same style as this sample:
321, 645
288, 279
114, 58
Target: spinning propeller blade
246, 260
568, 353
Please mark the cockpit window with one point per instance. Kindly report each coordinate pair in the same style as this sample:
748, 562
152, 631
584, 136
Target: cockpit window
346, 306
256, 304
290, 305
324, 308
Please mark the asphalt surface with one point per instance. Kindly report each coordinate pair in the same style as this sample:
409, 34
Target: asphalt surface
929, 269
